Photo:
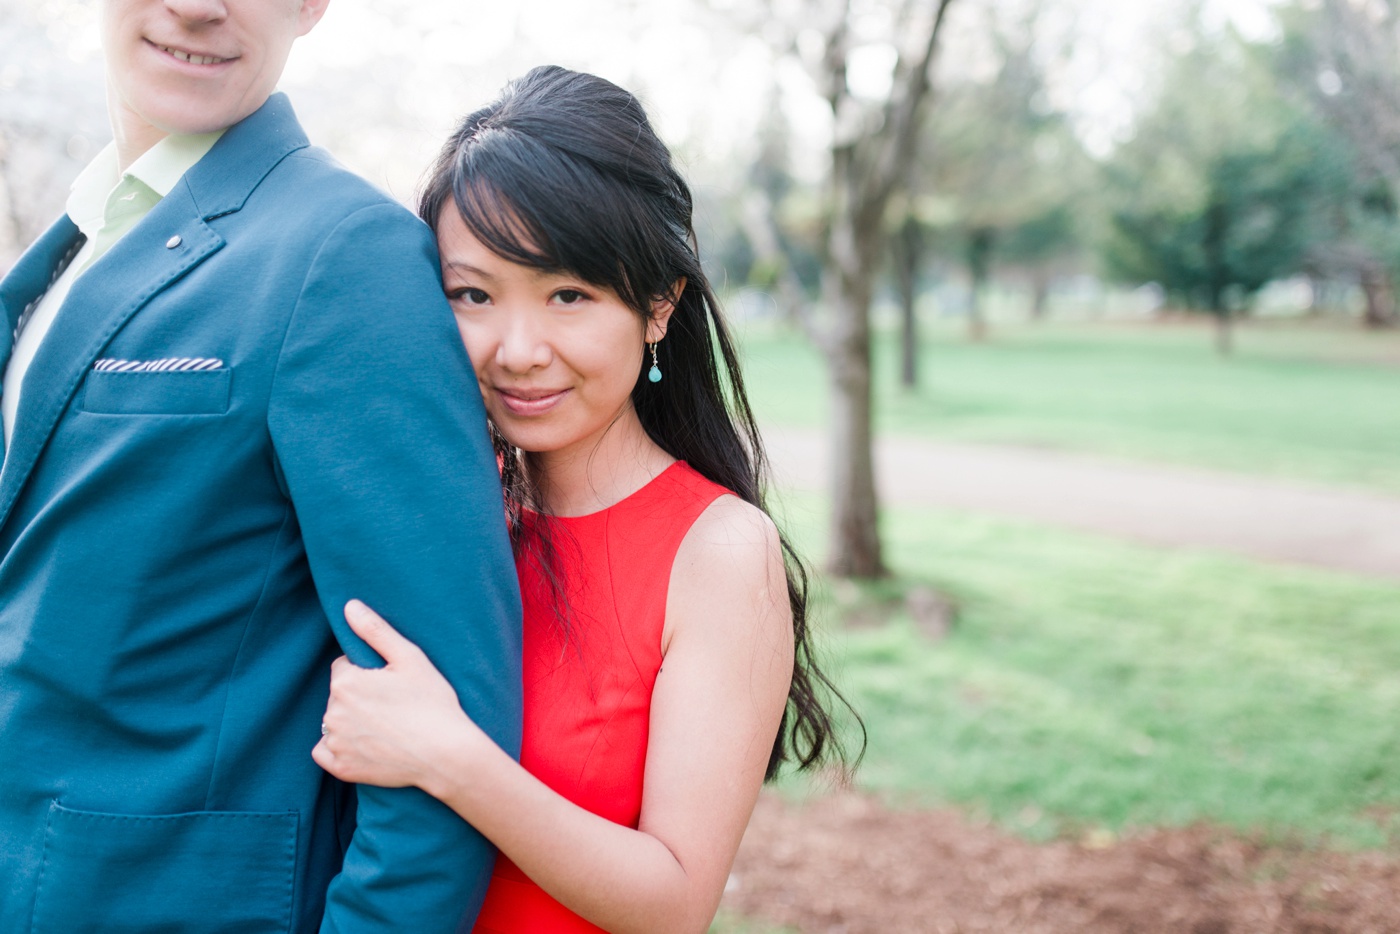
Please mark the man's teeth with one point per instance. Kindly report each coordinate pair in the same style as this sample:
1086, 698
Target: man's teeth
192, 59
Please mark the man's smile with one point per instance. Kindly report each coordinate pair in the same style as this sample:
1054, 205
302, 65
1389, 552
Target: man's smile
194, 58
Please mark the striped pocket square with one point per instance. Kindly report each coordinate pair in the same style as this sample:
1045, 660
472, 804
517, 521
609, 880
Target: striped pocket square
166, 365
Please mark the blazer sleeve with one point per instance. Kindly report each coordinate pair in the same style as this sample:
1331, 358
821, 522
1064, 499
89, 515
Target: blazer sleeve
380, 435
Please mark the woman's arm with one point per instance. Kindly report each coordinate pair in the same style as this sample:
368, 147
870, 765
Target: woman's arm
715, 711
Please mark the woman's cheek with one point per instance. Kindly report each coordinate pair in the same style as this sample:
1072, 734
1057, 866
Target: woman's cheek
478, 342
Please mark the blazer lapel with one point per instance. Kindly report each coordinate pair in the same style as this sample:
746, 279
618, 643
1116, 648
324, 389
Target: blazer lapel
167, 243
29, 278
140, 266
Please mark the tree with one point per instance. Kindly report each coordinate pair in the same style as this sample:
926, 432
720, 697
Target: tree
1220, 190
1009, 177
872, 145
906, 257
1249, 228
1341, 58
1046, 243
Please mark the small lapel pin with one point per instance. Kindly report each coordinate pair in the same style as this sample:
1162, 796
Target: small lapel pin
173, 242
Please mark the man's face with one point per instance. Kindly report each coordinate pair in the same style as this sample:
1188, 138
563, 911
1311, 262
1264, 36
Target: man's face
196, 66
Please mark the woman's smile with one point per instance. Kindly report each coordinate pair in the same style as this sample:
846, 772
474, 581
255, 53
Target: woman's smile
525, 402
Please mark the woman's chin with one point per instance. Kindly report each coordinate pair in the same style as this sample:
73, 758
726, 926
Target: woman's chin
530, 439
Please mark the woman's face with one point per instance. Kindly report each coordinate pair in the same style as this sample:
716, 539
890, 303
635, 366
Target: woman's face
556, 357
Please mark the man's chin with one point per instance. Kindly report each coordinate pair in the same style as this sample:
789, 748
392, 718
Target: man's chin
196, 116
188, 112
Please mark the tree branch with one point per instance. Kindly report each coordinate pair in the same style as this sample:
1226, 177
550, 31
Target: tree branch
756, 218
901, 119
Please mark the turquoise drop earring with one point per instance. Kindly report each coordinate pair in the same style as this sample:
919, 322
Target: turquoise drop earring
654, 374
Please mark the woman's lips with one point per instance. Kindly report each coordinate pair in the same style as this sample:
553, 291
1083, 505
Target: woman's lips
530, 402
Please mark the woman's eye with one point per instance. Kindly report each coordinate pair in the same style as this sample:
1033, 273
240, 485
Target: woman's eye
469, 296
569, 296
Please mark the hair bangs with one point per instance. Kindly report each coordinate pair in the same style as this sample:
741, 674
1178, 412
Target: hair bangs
562, 213
495, 219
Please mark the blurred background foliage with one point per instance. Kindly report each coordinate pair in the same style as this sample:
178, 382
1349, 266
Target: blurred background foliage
1206, 150
1035, 223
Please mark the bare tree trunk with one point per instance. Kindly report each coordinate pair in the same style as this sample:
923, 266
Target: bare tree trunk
1224, 332
1213, 244
1380, 297
979, 259
906, 261
855, 549
871, 152
855, 535
1040, 294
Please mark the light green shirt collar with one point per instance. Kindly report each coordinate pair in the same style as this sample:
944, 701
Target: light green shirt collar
157, 170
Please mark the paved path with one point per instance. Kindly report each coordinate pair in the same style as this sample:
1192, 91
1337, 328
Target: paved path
1266, 519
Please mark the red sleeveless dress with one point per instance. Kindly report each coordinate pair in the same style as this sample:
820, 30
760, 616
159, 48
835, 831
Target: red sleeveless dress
588, 683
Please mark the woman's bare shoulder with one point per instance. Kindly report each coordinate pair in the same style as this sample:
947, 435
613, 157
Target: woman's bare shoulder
731, 525
729, 570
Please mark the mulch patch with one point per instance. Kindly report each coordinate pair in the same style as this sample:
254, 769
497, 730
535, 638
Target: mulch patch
848, 863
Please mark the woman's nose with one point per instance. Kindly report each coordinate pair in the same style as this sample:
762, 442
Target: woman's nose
523, 346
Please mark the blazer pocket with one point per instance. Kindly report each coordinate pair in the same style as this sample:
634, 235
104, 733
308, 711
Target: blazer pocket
210, 872
194, 392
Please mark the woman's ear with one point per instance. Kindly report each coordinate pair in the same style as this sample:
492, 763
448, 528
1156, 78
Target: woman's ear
661, 311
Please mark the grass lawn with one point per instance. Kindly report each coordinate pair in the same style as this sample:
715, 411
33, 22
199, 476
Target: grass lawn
1306, 402
729, 923
1091, 685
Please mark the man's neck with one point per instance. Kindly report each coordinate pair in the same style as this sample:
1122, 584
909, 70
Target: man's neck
132, 135
133, 147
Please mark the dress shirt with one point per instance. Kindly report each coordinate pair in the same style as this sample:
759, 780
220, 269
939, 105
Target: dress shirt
104, 203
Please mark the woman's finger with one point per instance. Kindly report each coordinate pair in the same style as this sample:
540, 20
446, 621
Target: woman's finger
323, 757
379, 635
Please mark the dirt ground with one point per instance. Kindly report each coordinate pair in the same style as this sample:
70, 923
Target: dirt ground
846, 863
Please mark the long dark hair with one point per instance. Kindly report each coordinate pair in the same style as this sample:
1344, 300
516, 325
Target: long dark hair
564, 172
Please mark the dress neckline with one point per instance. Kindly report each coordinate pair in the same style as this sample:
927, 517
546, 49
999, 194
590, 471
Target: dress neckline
671, 467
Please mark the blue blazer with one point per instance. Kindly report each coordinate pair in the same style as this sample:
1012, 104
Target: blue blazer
176, 548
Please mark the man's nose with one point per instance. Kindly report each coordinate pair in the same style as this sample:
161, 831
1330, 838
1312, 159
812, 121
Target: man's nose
197, 12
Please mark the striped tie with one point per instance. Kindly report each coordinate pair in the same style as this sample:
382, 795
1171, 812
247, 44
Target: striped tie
58, 270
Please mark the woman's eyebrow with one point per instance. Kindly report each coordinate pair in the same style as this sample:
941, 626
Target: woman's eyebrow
469, 268
537, 274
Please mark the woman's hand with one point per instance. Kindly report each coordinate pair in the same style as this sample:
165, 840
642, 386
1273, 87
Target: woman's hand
389, 726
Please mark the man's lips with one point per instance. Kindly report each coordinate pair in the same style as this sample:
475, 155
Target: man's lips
191, 57
530, 401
